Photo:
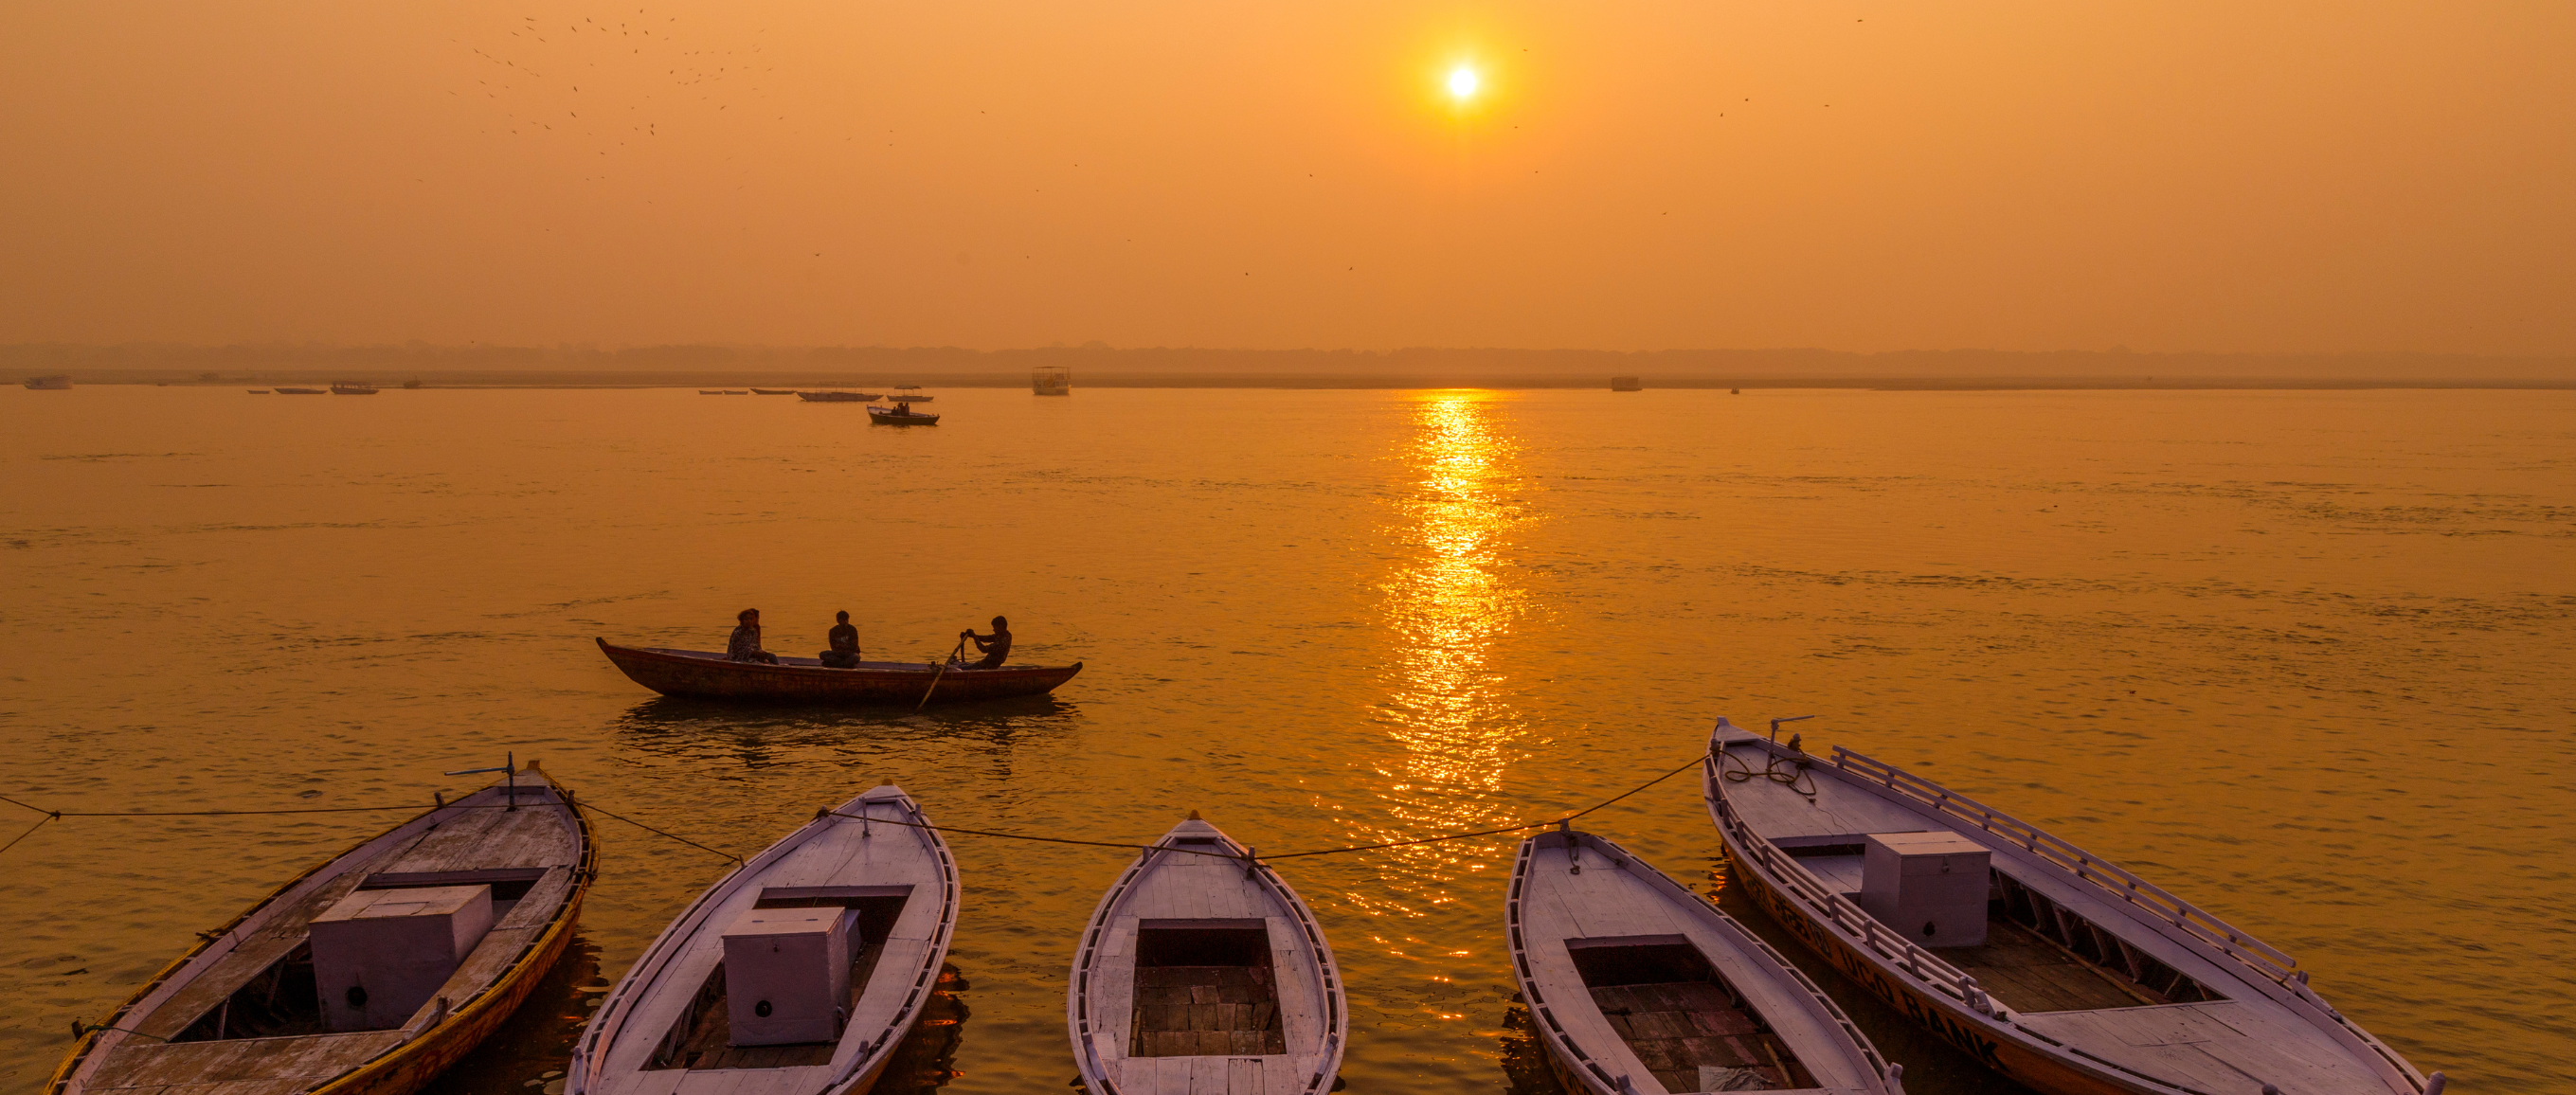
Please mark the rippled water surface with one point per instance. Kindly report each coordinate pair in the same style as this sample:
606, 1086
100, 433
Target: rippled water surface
2302, 657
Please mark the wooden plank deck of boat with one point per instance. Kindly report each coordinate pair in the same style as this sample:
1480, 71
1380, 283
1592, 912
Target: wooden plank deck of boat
2051, 991
1180, 886
841, 852
538, 836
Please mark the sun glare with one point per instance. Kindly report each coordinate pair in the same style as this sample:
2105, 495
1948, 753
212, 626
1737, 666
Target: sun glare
1462, 83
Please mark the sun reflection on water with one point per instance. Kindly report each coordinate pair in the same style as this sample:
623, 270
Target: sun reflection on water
1446, 709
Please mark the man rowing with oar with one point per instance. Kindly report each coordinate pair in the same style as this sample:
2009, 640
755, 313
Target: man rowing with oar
995, 646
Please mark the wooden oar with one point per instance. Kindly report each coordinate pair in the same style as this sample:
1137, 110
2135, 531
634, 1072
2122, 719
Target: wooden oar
943, 671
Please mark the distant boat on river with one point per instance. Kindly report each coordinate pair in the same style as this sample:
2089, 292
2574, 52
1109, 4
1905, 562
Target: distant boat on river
910, 393
370, 973
901, 414
59, 382
839, 397
2045, 962
707, 675
258, 391
1201, 971
773, 391
797, 974
353, 387
303, 391
1051, 380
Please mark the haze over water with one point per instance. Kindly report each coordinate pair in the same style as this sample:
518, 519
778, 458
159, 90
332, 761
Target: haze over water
2299, 657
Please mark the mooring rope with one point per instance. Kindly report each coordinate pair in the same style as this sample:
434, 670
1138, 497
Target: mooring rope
1692, 763
592, 805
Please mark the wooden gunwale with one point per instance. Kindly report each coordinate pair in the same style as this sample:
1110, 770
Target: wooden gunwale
590, 1053
1567, 1055
1079, 1019
1942, 997
440, 1044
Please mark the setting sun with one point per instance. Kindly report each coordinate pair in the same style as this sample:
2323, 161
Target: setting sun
1462, 83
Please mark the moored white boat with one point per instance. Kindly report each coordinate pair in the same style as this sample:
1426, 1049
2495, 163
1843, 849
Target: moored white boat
1639, 987
1202, 973
799, 973
327, 987
2045, 962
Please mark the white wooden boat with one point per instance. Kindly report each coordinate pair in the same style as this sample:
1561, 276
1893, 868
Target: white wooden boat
2081, 979
1639, 987
681, 1023
257, 1009
1202, 973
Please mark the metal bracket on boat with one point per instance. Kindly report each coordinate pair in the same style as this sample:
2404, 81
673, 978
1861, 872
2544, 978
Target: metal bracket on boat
1775, 725
509, 764
1250, 861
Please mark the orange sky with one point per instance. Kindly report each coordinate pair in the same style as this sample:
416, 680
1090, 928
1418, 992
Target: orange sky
2174, 175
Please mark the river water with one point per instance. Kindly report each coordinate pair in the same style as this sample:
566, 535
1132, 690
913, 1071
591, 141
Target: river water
2300, 657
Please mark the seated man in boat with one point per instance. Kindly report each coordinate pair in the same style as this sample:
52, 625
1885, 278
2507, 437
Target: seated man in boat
744, 646
844, 638
995, 646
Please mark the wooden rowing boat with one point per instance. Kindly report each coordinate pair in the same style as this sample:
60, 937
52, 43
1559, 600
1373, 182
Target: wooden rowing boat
705, 674
256, 1009
901, 414
2045, 962
1639, 987
749, 993
1202, 973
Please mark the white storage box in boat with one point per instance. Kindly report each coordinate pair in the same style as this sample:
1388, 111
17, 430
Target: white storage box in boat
378, 955
787, 975
1931, 886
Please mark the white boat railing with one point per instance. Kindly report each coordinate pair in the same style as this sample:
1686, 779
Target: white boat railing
2109, 877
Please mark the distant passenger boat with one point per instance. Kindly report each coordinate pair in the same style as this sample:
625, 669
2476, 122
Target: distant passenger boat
1638, 985
710, 391
901, 414
1201, 971
258, 391
839, 397
731, 392
303, 391
1626, 384
773, 391
797, 974
2039, 959
1051, 380
59, 382
353, 387
370, 973
909, 393
706, 675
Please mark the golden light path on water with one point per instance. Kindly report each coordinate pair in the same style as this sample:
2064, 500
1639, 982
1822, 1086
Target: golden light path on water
1446, 709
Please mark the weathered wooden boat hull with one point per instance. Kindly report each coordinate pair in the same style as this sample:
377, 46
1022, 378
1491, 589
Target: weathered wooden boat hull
407, 1066
1617, 900
645, 1035
708, 676
1229, 891
1937, 996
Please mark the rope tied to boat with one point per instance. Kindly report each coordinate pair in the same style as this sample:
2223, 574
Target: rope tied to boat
944, 829
1743, 772
439, 803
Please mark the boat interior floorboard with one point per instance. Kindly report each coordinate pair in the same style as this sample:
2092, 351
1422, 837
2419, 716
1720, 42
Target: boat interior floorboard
1187, 1011
1692, 1037
2029, 973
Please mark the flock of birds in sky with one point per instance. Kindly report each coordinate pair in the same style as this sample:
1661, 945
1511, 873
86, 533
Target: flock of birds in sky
536, 71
